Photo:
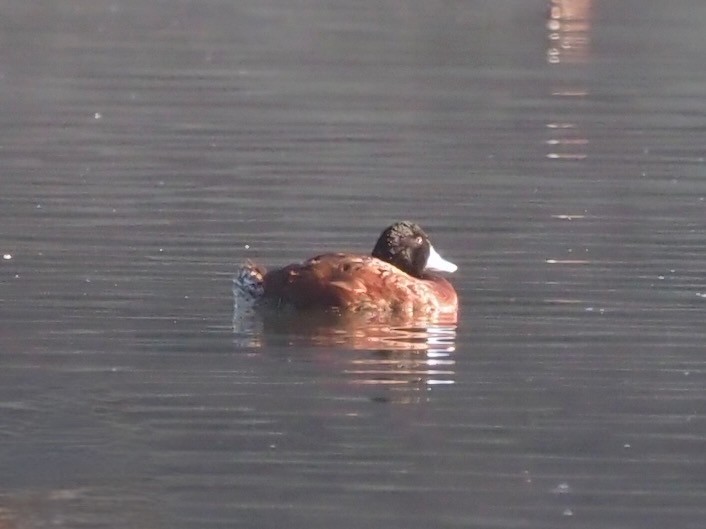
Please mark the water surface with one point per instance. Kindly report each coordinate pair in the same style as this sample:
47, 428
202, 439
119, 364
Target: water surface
556, 155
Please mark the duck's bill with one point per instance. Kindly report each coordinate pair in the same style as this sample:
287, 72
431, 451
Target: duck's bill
438, 263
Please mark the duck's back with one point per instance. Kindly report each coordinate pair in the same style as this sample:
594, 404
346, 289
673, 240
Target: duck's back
355, 283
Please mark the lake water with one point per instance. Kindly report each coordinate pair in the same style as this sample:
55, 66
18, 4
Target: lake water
555, 152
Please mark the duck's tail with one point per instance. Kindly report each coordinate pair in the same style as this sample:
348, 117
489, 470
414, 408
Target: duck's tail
248, 289
249, 282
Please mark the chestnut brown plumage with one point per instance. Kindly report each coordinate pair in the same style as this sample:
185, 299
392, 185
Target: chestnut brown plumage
395, 278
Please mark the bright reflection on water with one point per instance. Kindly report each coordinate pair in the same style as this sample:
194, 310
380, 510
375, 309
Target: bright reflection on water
402, 350
568, 35
569, 30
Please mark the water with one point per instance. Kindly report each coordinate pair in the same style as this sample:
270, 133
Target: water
556, 156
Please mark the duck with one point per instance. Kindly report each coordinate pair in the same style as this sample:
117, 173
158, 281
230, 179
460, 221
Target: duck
397, 277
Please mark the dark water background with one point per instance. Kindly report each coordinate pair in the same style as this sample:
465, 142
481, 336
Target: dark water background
556, 155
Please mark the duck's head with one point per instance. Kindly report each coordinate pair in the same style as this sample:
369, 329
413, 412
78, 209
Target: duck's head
406, 246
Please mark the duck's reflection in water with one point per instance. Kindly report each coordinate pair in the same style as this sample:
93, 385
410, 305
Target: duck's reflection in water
369, 348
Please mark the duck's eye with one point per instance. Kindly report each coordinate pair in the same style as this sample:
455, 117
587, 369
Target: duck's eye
418, 239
